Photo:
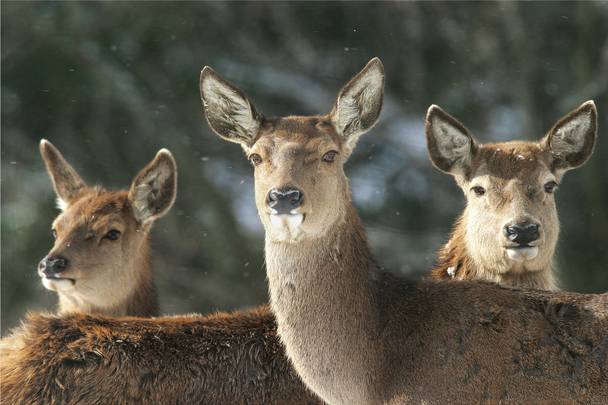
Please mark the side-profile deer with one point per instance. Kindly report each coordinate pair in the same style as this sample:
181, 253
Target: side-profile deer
356, 334
509, 229
100, 262
225, 358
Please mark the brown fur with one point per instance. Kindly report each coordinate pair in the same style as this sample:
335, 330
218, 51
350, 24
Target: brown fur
356, 334
99, 209
110, 277
224, 358
513, 175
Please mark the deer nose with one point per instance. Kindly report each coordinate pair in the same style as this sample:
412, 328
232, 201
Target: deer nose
52, 265
284, 200
522, 233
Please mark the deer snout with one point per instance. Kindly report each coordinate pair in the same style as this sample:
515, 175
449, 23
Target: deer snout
51, 266
284, 200
522, 233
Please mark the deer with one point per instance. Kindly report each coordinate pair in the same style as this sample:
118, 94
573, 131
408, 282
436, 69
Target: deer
353, 333
357, 334
92, 354
100, 260
509, 229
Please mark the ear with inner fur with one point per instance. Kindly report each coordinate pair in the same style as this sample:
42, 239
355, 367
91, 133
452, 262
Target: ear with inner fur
572, 138
450, 145
228, 110
154, 189
67, 183
359, 103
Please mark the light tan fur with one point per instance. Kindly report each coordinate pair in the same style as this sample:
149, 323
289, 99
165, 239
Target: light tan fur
358, 335
103, 275
513, 176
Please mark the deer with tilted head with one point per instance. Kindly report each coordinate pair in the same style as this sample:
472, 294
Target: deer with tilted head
100, 259
356, 334
509, 229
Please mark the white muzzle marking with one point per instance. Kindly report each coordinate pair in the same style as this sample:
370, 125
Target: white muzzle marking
57, 284
522, 254
287, 226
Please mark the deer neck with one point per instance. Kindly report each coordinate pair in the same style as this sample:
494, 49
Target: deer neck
455, 262
143, 300
137, 300
321, 295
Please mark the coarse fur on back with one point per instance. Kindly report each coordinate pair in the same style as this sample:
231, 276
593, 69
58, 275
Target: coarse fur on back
509, 229
358, 335
224, 358
100, 261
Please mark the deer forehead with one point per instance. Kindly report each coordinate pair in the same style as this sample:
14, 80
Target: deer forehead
96, 211
308, 134
522, 161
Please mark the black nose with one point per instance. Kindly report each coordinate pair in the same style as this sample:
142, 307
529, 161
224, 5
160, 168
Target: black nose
53, 265
283, 201
522, 233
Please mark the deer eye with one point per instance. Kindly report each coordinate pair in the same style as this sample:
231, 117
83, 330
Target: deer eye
550, 187
330, 156
255, 159
113, 234
54, 233
478, 190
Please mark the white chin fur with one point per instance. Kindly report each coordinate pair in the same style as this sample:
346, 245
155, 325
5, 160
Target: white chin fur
522, 254
287, 227
58, 284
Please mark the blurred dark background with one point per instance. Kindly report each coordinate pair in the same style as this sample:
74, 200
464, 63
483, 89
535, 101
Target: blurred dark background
110, 84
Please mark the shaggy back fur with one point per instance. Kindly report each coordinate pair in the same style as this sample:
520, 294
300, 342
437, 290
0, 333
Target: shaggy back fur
225, 358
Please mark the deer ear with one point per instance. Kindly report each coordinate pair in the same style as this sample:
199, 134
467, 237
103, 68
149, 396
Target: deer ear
572, 138
229, 111
359, 103
67, 183
154, 189
450, 145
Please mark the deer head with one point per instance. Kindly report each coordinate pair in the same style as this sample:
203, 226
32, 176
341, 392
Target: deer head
101, 236
300, 185
511, 222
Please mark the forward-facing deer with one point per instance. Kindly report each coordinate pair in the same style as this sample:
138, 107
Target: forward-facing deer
509, 229
358, 335
100, 262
